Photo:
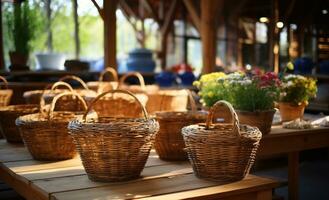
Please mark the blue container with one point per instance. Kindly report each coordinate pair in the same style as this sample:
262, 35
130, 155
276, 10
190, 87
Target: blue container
140, 60
303, 65
187, 78
165, 79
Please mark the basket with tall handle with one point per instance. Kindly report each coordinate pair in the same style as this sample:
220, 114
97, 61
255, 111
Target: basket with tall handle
101, 85
5, 92
45, 133
169, 142
221, 151
113, 149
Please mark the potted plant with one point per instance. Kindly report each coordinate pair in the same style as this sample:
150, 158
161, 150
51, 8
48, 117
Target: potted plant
252, 96
21, 28
296, 90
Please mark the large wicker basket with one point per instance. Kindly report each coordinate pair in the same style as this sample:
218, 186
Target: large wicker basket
101, 86
221, 151
46, 135
8, 115
5, 94
169, 142
158, 100
113, 149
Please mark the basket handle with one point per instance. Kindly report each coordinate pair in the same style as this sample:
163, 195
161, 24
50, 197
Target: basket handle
226, 104
53, 87
136, 74
108, 70
112, 92
4, 81
70, 77
192, 101
57, 97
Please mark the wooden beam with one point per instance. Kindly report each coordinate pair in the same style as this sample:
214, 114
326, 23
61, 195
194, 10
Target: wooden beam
193, 13
110, 33
273, 37
99, 9
76, 29
209, 8
148, 6
164, 30
2, 59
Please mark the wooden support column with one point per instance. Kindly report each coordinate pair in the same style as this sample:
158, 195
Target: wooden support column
2, 59
109, 9
273, 39
76, 29
209, 11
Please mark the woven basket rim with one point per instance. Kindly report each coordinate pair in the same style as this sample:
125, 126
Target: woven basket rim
174, 115
21, 108
114, 120
58, 117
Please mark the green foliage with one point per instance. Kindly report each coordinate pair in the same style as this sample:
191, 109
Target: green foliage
22, 24
297, 89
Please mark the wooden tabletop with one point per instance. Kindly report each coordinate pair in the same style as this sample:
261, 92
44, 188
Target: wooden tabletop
160, 180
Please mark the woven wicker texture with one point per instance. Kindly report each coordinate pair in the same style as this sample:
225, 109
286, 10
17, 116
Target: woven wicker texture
113, 149
221, 151
169, 143
8, 115
5, 94
34, 96
101, 86
46, 135
67, 103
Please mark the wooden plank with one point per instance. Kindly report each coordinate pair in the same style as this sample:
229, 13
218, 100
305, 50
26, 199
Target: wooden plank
62, 184
193, 13
295, 140
293, 173
21, 187
236, 189
181, 184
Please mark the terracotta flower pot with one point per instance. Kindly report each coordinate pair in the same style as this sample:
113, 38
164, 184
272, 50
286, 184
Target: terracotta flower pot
290, 111
261, 119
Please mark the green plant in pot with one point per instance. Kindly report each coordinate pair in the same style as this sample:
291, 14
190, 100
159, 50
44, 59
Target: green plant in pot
21, 23
296, 90
253, 97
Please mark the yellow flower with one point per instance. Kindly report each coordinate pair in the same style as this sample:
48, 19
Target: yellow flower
290, 66
210, 94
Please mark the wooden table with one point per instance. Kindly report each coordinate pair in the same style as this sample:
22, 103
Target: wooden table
160, 180
291, 142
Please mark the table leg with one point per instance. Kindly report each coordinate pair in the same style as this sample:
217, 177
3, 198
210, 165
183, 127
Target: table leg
293, 175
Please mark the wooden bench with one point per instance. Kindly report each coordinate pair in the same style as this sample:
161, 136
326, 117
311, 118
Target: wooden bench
160, 180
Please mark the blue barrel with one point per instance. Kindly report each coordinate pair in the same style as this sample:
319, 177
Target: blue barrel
140, 60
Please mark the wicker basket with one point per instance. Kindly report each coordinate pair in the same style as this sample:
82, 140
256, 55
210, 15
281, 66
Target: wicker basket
46, 135
142, 88
5, 94
169, 142
221, 151
9, 114
113, 149
101, 86
34, 96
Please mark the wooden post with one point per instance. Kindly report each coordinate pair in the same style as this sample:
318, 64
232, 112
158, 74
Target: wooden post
293, 175
209, 9
273, 39
109, 9
76, 29
2, 59
49, 31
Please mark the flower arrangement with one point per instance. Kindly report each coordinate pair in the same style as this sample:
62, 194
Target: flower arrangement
246, 93
297, 89
210, 89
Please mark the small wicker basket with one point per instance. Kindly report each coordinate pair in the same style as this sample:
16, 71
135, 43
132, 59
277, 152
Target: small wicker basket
113, 149
221, 151
101, 86
169, 142
8, 115
46, 135
34, 96
142, 88
5, 94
